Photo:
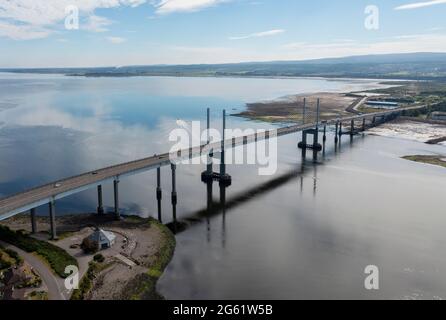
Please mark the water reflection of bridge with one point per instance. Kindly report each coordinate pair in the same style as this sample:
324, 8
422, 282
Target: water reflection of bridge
215, 208
49, 193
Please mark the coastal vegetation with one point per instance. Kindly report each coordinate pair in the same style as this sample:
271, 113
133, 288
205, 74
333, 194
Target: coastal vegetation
415, 66
143, 287
15, 274
156, 245
38, 295
57, 258
428, 159
8, 258
87, 281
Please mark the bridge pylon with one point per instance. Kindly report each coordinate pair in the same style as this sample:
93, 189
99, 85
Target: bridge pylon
209, 175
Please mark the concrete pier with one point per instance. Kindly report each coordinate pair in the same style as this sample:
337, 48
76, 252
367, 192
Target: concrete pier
33, 221
209, 169
52, 211
315, 146
224, 178
100, 209
159, 193
363, 125
352, 128
303, 144
208, 175
174, 194
336, 132
116, 195
222, 160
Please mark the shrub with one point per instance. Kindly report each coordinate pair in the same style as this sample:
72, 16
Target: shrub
57, 257
89, 246
99, 258
14, 255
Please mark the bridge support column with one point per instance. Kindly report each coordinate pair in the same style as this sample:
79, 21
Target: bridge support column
340, 130
304, 142
52, 209
336, 132
209, 168
325, 134
374, 121
363, 124
208, 175
100, 209
316, 146
159, 193
222, 160
116, 195
174, 195
33, 221
352, 128
224, 178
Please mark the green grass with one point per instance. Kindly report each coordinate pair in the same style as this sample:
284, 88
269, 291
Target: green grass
38, 295
143, 287
434, 160
56, 257
86, 283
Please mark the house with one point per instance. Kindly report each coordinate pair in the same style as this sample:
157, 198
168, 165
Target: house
103, 239
438, 116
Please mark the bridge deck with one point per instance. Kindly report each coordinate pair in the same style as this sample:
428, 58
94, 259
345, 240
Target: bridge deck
38, 196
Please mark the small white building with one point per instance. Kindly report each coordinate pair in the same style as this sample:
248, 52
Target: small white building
104, 239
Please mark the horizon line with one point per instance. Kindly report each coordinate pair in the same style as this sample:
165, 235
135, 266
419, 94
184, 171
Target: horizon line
224, 63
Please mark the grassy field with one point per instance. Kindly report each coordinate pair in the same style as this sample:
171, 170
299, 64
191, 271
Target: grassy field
56, 257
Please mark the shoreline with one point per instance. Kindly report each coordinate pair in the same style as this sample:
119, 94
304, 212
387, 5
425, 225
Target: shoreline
129, 270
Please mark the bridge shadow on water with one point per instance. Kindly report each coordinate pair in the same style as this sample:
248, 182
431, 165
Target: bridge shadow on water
215, 208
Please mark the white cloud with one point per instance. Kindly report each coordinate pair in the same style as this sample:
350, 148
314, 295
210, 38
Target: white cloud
33, 19
169, 6
259, 34
116, 40
97, 24
421, 4
22, 32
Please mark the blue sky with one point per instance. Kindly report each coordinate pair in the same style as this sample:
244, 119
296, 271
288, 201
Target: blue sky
134, 32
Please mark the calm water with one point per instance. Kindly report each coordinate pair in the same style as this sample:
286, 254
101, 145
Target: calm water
307, 232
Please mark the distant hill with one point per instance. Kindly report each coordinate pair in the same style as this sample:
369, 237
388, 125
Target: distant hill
421, 66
